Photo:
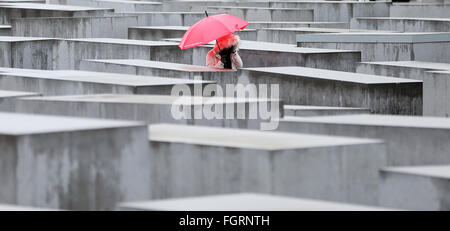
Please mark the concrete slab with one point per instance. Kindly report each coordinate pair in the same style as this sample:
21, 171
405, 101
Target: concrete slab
24, 10
149, 108
26, 52
7, 207
155, 33
117, 5
261, 24
5, 30
420, 10
436, 93
410, 140
339, 11
195, 160
66, 82
67, 163
267, 14
288, 35
403, 69
202, 5
413, 24
163, 69
16, 94
319, 87
415, 188
305, 110
241, 202
430, 46
166, 18
74, 27
255, 54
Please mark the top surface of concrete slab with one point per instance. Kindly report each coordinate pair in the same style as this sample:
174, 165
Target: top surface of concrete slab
406, 18
183, 28
438, 171
160, 65
21, 39
240, 138
242, 202
307, 107
378, 120
414, 64
332, 75
98, 77
131, 2
7, 94
407, 37
440, 72
329, 30
125, 41
145, 99
276, 47
7, 207
53, 7
256, 8
26, 124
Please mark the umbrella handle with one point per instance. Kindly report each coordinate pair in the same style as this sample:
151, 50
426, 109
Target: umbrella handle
206, 13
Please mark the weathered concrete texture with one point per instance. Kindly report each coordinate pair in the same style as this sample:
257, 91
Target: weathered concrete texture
193, 160
288, 35
304, 110
430, 47
411, 140
26, 52
318, 87
70, 52
196, 5
74, 27
163, 69
241, 202
256, 54
117, 5
420, 10
339, 11
27, 10
10, 208
156, 33
436, 93
68, 82
402, 24
71, 163
151, 108
403, 69
267, 14
7, 98
166, 18
261, 25
5, 30
416, 188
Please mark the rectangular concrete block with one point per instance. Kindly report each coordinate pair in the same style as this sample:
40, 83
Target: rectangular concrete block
166, 18
339, 11
202, 5
67, 82
117, 5
267, 14
420, 10
255, 54
71, 163
436, 93
410, 140
403, 69
152, 108
288, 35
319, 87
10, 208
241, 202
305, 110
26, 52
75, 27
401, 24
416, 188
429, 47
5, 30
155, 33
26, 10
193, 161
271, 24
163, 69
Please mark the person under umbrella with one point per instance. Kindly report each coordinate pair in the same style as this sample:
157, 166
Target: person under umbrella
225, 53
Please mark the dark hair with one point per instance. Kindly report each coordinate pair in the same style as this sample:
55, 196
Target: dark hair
225, 55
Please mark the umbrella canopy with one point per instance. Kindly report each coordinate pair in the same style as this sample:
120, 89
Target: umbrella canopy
211, 28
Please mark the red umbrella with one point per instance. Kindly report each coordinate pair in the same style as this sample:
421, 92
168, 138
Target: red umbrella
211, 28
